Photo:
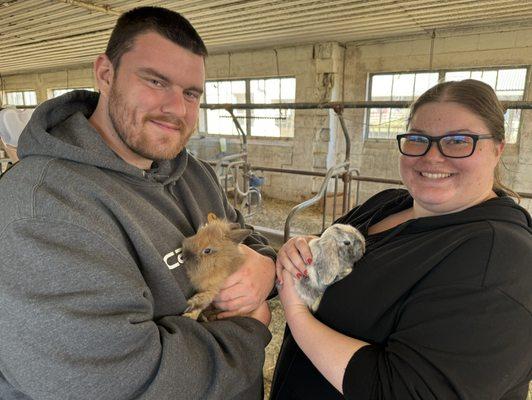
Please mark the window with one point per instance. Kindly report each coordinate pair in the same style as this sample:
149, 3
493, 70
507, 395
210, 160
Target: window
509, 84
220, 121
267, 122
23, 98
58, 92
385, 123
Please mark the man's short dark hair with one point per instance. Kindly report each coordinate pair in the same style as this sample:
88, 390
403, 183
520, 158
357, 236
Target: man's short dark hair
169, 24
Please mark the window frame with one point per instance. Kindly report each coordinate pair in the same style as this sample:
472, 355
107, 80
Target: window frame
6, 92
441, 77
248, 117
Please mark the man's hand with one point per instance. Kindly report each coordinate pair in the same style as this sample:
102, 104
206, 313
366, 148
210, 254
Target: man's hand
246, 289
262, 314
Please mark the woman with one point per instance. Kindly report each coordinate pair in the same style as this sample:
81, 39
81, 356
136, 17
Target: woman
440, 305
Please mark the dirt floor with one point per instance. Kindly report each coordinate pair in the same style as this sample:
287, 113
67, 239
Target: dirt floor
273, 215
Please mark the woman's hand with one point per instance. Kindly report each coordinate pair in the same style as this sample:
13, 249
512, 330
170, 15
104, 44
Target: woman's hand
292, 303
294, 257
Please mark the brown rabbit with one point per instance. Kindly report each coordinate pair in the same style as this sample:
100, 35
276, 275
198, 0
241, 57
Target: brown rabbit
211, 255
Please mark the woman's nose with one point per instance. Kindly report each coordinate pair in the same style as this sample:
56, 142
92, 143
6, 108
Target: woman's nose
434, 153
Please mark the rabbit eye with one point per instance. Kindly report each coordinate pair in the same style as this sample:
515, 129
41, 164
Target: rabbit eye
347, 242
207, 250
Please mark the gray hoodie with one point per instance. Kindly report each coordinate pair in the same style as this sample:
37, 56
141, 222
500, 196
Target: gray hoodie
92, 283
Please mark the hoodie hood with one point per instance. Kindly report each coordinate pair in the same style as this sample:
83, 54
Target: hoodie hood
502, 208
59, 128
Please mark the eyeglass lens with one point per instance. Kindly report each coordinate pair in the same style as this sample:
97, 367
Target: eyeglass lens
450, 146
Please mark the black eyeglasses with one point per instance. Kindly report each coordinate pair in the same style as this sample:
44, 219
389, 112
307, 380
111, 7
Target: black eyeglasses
453, 145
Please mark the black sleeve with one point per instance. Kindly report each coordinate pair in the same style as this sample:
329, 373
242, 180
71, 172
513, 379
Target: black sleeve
452, 341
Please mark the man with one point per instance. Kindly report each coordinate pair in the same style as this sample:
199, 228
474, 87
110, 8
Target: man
91, 224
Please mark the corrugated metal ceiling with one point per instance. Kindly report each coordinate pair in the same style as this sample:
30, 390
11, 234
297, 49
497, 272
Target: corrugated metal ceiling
39, 34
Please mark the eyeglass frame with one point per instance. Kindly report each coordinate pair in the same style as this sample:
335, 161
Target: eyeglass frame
475, 136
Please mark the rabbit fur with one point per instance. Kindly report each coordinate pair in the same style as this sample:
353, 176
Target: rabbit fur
333, 256
211, 255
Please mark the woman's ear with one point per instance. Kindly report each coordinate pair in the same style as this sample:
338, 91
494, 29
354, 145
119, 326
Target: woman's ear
499, 147
104, 74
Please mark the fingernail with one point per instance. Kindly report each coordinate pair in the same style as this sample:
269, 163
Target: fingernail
298, 275
309, 260
305, 273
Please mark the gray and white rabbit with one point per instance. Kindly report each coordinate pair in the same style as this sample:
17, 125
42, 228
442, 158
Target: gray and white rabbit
333, 256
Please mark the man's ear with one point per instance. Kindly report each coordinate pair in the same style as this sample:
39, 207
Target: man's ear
104, 74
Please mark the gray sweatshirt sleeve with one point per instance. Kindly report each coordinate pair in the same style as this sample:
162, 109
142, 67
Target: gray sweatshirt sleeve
77, 323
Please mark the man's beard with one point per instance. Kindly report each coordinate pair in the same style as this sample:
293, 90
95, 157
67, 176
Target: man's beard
131, 130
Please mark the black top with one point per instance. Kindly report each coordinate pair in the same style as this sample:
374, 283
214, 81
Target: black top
445, 303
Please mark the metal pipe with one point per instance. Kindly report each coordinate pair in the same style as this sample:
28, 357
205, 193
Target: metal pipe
323, 214
525, 105
238, 128
349, 197
524, 195
346, 184
218, 166
338, 111
318, 173
357, 172
357, 178
331, 172
335, 193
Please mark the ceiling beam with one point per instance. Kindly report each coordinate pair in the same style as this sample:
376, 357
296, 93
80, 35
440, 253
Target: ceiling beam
92, 7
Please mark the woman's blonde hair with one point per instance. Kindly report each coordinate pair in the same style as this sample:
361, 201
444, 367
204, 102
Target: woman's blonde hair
479, 98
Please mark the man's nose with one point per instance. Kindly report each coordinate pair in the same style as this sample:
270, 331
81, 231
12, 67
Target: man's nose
175, 103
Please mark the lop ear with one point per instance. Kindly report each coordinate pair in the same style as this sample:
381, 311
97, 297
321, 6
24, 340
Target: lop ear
327, 270
238, 235
211, 217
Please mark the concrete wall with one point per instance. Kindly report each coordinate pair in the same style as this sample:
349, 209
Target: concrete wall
44, 81
316, 69
332, 72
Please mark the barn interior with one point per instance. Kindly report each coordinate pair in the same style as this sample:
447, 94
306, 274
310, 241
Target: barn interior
303, 99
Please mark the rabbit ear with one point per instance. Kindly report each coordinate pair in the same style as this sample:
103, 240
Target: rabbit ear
238, 235
327, 270
211, 217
